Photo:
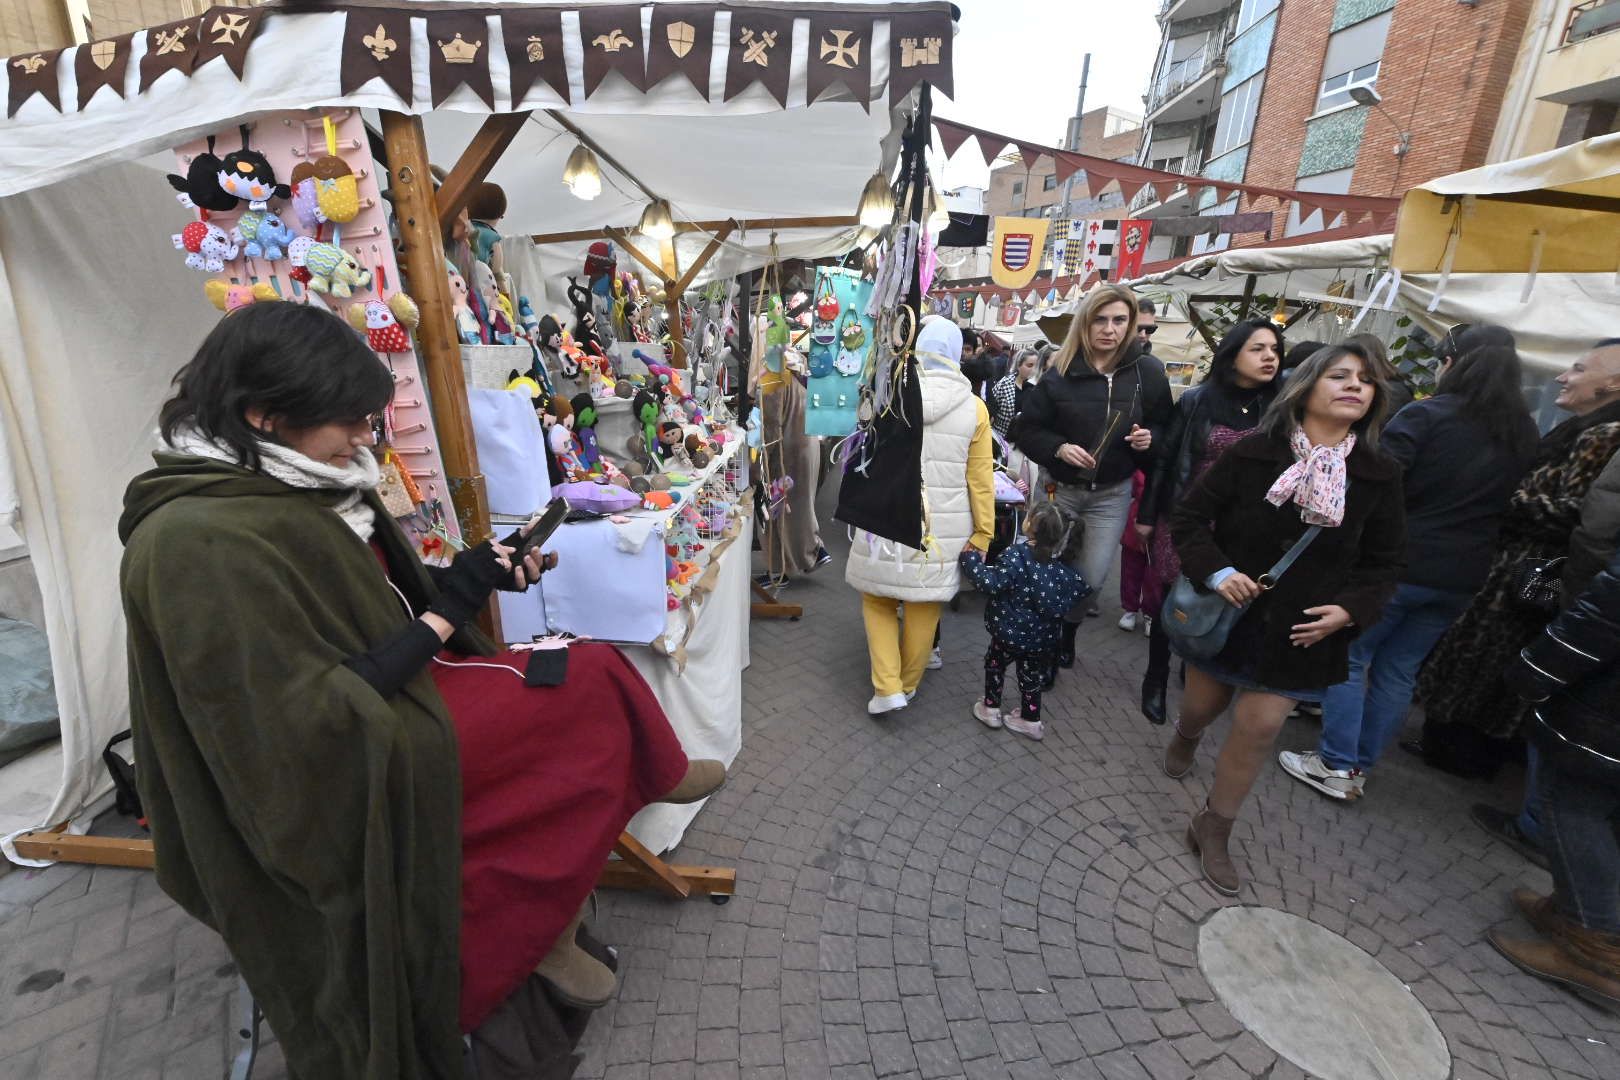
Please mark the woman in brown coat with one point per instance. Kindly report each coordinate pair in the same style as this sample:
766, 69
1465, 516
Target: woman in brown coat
1312, 461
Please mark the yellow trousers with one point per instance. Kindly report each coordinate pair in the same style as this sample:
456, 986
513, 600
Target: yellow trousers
899, 648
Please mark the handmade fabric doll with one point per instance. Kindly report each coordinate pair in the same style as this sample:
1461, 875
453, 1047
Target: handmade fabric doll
600, 265
385, 323
467, 330
486, 208
585, 332
585, 417
560, 437
500, 327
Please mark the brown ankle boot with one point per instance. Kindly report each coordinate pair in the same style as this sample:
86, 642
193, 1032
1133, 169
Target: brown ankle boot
1537, 910
1582, 960
704, 776
575, 976
1208, 836
1178, 756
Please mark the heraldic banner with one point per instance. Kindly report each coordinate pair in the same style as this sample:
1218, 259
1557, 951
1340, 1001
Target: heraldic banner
1015, 257
1131, 248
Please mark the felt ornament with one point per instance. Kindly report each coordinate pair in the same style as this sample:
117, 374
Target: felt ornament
228, 297
306, 202
467, 329
263, 235
199, 189
852, 346
826, 301
337, 192
330, 268
386, 324
247, 174
777, 331
207, 246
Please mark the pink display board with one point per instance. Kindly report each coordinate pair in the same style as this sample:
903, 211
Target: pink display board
286, 139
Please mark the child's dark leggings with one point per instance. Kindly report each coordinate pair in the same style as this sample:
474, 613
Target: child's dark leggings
1032, 671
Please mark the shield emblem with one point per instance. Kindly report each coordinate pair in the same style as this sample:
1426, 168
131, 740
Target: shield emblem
1015, 250
102, 54
681, 38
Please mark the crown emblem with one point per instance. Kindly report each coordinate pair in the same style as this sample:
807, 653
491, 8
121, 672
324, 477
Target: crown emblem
29, 64
460, 51
380, 44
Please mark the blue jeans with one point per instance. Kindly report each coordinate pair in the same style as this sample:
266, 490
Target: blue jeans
1361, 715
1530, 815
1580, 824
1104, 512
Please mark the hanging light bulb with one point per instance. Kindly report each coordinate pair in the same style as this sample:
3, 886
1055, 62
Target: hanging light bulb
656, 221
582, 174
877, 202
1279, 317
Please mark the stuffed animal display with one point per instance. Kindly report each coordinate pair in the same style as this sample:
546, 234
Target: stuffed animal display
207, 246
228, 297
263, 235
385, 324
330, 269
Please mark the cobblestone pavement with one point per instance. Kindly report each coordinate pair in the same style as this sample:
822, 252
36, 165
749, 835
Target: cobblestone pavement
918, 897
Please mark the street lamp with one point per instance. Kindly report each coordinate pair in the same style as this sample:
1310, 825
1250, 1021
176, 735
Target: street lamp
1366, 95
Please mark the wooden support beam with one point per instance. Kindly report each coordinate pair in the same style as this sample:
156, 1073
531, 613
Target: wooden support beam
1201, 326
767, 607
672, 303
634, 853
58, 845
716, 881
754, 224
623, 237
1248, 296
476, 161
704, 256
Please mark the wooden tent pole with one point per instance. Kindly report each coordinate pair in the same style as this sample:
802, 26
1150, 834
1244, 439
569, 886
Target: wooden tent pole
754, 224
476, 161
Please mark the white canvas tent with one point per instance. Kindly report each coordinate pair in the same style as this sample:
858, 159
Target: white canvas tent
98, 314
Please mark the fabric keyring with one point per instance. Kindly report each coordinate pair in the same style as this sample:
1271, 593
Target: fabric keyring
1316, 481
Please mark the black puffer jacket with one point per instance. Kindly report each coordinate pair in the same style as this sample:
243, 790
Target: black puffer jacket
1572, 672
1074, 408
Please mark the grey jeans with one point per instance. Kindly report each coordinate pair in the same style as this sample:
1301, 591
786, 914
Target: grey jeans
1104, 513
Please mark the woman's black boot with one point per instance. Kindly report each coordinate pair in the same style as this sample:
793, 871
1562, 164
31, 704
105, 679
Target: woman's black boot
1153, 706
1065, 657
1157, 676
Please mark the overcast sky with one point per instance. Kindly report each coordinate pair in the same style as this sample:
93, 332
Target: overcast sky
1018, 62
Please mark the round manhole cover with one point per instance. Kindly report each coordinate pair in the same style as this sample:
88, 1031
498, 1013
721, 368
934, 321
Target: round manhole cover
1317, 999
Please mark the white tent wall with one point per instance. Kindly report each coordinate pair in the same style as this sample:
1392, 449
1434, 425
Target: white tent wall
97, 312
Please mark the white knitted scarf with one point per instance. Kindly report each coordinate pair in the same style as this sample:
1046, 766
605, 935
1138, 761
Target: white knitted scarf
295, 470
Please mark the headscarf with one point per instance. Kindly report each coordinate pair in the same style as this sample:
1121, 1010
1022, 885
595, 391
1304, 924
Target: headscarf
939, 344
1316, 481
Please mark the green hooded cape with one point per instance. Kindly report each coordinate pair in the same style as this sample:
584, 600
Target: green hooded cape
314, 824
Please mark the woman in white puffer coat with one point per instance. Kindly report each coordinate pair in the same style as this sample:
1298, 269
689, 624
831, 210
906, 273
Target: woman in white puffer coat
959, 489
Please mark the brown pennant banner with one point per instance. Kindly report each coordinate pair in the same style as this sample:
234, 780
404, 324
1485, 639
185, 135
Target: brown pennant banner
841, 52
227, 32
458, 54
376, 45
612, 40
952, 137
534, 50
101, 63
760, 51
30, 74
170, 47
682, 41
919, 49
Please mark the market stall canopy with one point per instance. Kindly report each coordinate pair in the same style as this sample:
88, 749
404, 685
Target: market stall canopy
1557, 212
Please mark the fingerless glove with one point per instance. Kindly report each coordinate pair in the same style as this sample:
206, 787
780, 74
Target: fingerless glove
465, 587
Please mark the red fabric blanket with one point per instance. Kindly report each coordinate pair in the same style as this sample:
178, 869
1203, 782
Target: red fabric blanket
550, 776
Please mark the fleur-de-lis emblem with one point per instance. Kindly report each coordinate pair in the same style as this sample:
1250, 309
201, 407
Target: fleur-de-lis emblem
228, 28
29, 64
381, 45
612, 42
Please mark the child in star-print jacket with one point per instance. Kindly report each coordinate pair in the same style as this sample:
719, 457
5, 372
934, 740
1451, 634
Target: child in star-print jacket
1030, 587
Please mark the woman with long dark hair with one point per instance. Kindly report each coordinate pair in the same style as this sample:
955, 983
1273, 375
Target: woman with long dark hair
1240, 386
1463, 451
1313, 461
390, 837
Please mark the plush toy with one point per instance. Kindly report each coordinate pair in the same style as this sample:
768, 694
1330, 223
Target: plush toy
527, 319
585, 417
247, 174
560, 437
228, 297
306, 202
485, 209
208, 247
263, 235
199, 189
585, 334
329, 268
337, 192
529, 385
500, 327
644, 410
573, 357
671, 444
467, 330
600, 264
697, 451
659, 500
385, 323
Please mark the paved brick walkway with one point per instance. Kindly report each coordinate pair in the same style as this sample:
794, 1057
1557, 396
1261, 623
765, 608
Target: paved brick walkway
919, 897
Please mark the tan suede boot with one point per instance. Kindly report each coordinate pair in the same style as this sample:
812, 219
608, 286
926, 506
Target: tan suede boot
1582, 960
574, 975
1208, 836
704, 776
1537, 910
1178, 756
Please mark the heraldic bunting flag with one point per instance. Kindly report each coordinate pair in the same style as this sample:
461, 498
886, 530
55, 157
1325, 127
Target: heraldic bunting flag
1015, 257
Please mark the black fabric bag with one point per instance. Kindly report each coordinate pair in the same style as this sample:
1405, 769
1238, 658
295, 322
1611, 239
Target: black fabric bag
886, 496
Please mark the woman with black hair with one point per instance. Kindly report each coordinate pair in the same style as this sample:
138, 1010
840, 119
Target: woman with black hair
389, 837
1240, 386
1313, 461
1463, 451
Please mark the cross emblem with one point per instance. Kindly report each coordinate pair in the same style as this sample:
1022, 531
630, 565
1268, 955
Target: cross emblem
914, 53
843, 54
171, 41
757, 47
228, 29
381, 45
29, 64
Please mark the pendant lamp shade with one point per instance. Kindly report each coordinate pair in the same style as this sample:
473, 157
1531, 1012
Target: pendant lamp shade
657, 221
877, 202
582, 174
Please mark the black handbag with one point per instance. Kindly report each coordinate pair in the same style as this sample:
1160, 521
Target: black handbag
1535, 585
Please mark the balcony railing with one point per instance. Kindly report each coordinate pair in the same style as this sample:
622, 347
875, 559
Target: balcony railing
1186, 71
1150, 194
1591, 19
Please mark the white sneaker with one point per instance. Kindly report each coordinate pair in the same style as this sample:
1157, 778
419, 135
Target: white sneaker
984, 714
1147, 626
1029, 729
935, 661
1127, 622
886, 703
1309, 768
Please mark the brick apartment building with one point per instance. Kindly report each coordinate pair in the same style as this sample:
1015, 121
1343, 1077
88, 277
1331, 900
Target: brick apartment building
1107, 132
1265, 91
